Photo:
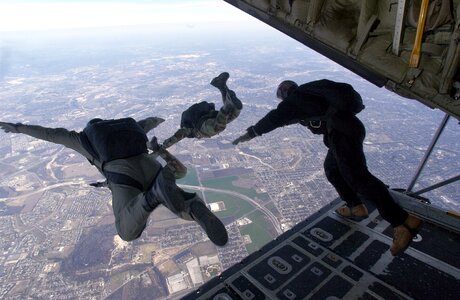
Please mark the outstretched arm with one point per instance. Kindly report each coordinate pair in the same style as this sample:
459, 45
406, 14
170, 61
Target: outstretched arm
178, 136
284, 114
263, 126
176, 166
62, 136
249, 135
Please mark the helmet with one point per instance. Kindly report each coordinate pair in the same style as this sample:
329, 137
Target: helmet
285, 88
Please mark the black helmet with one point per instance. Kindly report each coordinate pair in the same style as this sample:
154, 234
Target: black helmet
285, 88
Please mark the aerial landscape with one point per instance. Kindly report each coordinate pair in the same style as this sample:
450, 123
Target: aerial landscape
57, 232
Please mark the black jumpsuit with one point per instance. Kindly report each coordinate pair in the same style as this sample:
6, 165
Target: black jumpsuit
345, 164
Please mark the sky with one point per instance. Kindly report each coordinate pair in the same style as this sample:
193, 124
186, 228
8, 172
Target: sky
26, 15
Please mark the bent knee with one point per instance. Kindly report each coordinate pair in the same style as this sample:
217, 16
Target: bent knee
128, 235
126, 238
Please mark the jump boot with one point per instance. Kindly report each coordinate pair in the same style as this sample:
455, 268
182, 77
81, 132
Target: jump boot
404, 233
213, 227
356, 213
220, 82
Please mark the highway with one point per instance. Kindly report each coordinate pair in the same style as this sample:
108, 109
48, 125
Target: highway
262, 208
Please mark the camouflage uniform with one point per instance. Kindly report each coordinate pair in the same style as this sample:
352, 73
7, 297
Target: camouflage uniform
131, 204
214, 122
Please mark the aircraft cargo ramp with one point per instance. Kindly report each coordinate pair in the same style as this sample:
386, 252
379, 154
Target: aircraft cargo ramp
329, 257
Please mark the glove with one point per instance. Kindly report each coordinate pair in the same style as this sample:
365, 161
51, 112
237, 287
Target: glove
150, 123
244, 138
9, 127
153, 144
99, 184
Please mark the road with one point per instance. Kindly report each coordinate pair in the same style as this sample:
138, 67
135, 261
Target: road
45, 188
262, 208
257, 158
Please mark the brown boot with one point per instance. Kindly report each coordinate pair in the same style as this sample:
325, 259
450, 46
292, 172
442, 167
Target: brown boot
404, 233
357, 213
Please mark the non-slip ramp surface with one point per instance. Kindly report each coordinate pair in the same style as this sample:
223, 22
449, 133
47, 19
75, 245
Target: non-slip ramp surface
328, 257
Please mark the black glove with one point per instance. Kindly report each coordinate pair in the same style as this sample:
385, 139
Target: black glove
249, 135
244, 138
9, 127
153, 144
99, 184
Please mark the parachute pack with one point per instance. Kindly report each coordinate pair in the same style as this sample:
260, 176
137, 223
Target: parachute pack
339, 96
115, 139
193, 116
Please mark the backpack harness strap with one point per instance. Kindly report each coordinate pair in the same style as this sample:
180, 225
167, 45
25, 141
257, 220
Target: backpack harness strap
119, 178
